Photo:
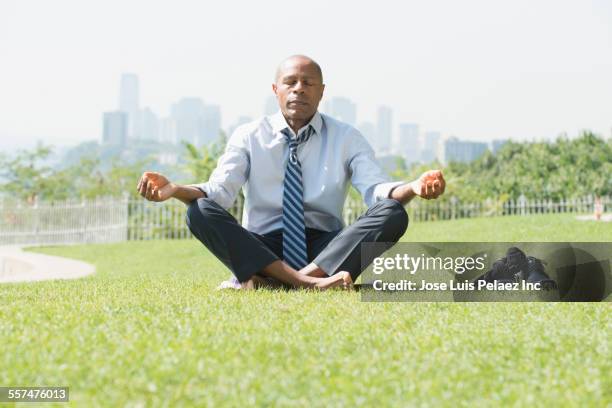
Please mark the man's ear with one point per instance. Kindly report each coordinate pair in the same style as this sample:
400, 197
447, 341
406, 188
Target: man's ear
274, 88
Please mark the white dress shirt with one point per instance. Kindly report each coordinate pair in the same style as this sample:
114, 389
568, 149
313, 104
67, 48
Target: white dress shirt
256, 158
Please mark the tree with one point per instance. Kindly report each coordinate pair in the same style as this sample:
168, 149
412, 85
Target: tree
559, 169
202, 162
27, 176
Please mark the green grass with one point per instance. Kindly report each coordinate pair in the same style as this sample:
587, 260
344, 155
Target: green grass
540, 228
149, 329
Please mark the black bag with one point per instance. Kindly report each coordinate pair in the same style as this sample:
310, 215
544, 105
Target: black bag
517, 267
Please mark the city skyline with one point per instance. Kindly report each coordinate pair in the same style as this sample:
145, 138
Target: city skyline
193, 121
459, 69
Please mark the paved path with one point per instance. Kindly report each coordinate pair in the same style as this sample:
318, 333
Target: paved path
19, 266
604, 217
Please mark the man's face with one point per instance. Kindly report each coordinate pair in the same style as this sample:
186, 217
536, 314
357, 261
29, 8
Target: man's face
298, 88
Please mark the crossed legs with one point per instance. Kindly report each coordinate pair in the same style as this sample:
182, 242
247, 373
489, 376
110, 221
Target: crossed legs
336, 255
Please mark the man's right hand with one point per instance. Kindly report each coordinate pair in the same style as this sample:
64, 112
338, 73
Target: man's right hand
155, 187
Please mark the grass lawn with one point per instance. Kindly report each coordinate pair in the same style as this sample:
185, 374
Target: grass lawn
149, 330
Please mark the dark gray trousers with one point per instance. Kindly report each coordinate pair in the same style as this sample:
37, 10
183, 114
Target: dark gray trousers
245, 253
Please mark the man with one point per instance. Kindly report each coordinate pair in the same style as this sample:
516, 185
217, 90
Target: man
295, 168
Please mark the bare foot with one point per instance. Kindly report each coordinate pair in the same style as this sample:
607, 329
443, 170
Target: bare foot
341, 280
313, 270
263, 282
248, 285
233, 284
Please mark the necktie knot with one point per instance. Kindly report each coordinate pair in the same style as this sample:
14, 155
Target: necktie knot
294, 142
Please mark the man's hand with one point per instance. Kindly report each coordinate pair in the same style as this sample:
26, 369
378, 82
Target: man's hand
430, 184
155, 187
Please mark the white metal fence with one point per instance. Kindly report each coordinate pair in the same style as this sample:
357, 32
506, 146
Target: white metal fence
120, 219
422, 210
103, 219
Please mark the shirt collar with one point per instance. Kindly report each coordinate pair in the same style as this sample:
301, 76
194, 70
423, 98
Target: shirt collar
279, 123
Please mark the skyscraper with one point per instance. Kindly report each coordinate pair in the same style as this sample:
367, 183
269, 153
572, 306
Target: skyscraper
430, 146
409, 147
195, 122
240, 121
114, 128
129, 102
211, 124
384, 125
148, 125
498, 144
167, 130
368, 130
461, 151
188, 116
342, 109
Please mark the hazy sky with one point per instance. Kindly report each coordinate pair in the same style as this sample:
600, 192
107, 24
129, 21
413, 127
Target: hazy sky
477, 69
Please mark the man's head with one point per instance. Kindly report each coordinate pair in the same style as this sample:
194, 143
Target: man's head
298, 87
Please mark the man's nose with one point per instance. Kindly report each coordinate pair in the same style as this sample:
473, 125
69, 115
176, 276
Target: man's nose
299, 87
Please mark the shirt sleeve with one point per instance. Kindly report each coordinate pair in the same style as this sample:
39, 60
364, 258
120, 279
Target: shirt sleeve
231, 172
366, 175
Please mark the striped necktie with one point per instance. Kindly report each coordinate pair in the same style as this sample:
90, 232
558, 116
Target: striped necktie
294, 229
